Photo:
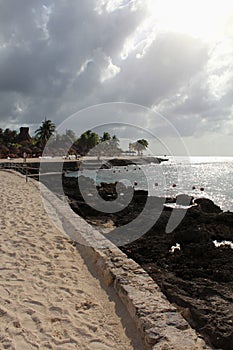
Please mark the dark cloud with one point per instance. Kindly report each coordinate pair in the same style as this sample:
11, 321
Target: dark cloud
146, 80
42, 49
57, 57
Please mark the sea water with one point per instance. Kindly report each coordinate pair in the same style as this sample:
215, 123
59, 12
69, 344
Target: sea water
209, 177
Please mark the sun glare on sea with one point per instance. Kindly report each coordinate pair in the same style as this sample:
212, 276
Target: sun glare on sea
199, 18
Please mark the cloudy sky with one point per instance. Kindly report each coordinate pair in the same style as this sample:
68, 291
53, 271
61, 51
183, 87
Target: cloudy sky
174, 57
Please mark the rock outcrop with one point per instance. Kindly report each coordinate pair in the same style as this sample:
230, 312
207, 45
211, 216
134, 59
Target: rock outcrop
197, 276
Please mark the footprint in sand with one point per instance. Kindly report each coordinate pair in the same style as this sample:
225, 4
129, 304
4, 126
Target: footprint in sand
96, 345
56, 309
37, 306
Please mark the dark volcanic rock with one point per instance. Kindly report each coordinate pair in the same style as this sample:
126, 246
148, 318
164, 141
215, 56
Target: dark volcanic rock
207, 205
135, 160
196, 235
198, 278
226, 218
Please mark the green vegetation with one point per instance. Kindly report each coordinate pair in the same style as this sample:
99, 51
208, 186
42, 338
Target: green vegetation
14, 144
87, 141
45, 131
93, 144
139, 146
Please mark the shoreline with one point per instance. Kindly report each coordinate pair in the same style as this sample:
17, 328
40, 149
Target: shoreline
198, 277
162, 266
158, 322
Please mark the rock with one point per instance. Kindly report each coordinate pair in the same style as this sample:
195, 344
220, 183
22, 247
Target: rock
193, 235
107, 191
207, 205
199, 276
135, 160
226, 218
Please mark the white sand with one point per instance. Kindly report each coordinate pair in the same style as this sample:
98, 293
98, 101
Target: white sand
48, 297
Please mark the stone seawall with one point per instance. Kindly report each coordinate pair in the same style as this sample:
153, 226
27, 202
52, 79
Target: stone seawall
159, 323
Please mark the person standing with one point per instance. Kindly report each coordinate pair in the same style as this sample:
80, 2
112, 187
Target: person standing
24, 157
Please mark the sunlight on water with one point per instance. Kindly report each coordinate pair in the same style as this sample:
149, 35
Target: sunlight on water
210, 177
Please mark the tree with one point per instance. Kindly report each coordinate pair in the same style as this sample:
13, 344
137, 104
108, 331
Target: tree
108, 146
4, 151
139, 146
106, 137
115, 141
113, 146
45, 131
86, 142
131, 147
9, 136
70, 135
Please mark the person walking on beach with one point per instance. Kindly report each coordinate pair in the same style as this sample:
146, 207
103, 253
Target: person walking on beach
24, 157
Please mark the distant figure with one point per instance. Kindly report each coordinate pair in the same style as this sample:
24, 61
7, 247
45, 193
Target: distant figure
24, 157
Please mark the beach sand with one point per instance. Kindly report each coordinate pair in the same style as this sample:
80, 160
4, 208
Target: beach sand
48, 297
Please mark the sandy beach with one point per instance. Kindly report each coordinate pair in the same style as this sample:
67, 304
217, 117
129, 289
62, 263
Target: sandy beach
48, 297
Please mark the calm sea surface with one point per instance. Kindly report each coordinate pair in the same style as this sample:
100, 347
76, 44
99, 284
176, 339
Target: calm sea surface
210, 177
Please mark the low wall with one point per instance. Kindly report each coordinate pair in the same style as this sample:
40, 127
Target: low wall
160, 324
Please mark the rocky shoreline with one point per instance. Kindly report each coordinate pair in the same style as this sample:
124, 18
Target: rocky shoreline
195, 275
136, 160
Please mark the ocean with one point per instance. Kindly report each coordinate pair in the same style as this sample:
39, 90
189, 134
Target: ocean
209, 177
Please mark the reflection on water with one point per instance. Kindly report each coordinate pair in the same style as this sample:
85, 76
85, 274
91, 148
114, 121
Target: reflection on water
210, 177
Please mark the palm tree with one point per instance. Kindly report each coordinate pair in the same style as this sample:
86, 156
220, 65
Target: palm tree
45, 131
9, 136
115, 141
140, 146
114, 147
70, 135
106, 137
86, 142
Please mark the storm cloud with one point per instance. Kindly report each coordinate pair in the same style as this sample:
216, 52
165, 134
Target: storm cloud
57, 57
